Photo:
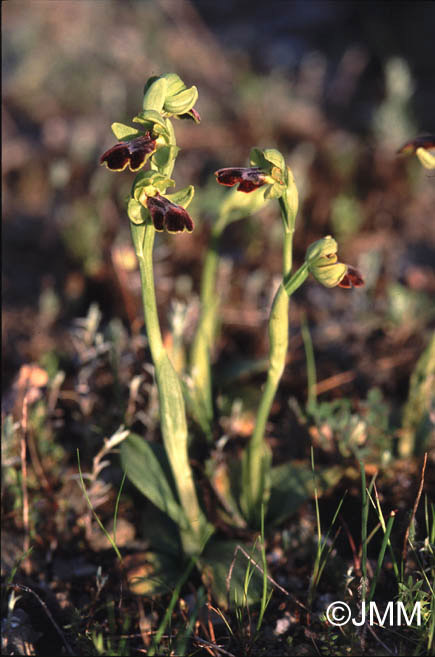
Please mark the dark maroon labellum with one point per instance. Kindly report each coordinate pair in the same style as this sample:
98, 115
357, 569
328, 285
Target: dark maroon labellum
352, 278
248, 178
168, 216
133, 153
411, 146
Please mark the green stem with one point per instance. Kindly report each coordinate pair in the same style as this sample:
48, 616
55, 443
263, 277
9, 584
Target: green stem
257, 460
193, 527
148, 295
204, 337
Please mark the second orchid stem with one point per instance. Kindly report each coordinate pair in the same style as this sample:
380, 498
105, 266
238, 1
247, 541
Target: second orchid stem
257, 459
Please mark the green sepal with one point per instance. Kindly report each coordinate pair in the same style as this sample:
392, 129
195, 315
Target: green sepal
137, 213
125, 132
182, 102
257, 159
155, 94
265, 158
175, 84
153, 121
273, 156
183, 197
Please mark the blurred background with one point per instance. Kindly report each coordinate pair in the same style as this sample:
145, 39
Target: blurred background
337, 87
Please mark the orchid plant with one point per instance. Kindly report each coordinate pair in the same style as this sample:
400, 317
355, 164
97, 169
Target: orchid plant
165, 475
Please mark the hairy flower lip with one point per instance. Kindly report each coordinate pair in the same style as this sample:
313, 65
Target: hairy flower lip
352, 278
168, 216
133, 153
248, 178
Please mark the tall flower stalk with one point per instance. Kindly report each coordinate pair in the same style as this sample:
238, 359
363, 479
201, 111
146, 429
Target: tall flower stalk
151, 209
269, 175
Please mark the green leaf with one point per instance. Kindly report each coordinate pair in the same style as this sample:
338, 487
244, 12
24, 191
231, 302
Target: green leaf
125, 132
292, 485
215, 563
183, 197
273, 156
148, 469
416, 425
161, 532
152, 573
225, 478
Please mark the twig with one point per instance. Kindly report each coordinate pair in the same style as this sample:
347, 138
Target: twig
373, 633
206, 644
271, 580
21, 587
414, 510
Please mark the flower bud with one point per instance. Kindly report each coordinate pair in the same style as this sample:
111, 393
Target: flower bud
321, 259
169, 94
